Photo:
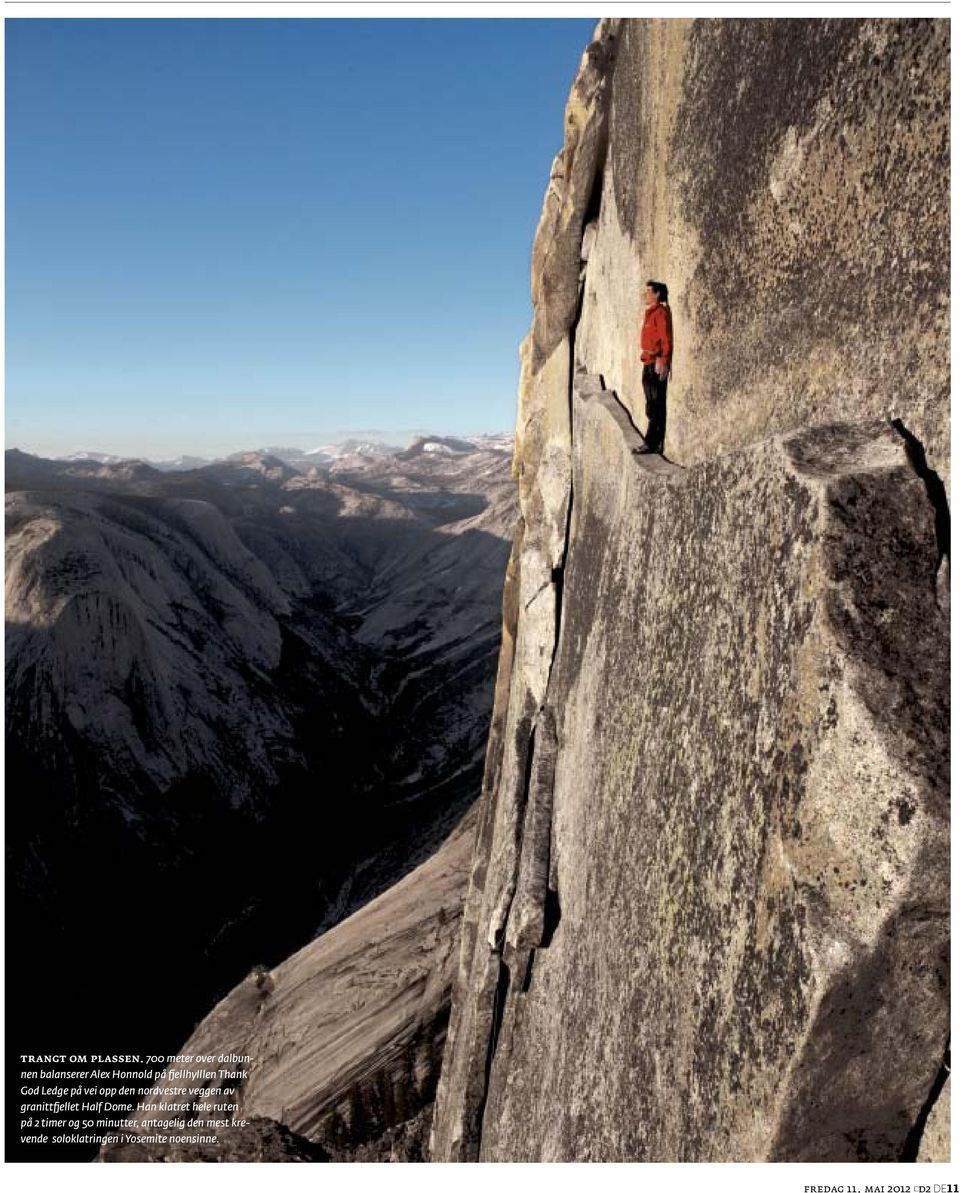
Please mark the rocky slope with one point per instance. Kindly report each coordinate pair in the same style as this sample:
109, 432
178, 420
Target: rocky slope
242, 700
708, 911
347, 1034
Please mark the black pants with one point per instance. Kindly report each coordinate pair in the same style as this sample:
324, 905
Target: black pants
655, 392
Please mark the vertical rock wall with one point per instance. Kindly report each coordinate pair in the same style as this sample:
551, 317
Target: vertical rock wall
789, 180
708, 910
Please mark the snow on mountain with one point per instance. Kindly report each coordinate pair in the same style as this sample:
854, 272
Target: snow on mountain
437, 445
493, 443
91, 457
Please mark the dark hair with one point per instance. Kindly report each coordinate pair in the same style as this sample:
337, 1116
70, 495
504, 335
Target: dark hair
660, 288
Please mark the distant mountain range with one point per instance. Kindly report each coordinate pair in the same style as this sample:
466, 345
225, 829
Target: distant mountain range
242, 699
316, 457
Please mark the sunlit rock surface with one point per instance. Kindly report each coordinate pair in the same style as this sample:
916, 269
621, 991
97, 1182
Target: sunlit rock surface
789, 181
708, 911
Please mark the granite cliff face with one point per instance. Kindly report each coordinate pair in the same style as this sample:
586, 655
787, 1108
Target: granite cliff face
790, 181
708, 912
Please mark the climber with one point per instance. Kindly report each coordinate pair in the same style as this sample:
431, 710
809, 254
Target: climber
656, 352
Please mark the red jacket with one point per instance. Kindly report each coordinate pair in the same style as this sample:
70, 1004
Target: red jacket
656, 335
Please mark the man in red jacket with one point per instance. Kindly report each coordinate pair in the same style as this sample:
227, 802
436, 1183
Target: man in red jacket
656, 352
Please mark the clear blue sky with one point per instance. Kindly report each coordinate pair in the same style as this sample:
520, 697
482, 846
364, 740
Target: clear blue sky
233, 233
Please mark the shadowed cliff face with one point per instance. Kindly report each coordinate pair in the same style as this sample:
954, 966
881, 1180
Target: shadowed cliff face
708, 915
